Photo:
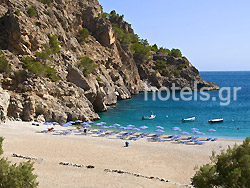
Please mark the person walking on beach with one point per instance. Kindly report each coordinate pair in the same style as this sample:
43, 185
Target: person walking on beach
85, 130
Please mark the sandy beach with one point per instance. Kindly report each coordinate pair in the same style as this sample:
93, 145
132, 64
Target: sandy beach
167, 160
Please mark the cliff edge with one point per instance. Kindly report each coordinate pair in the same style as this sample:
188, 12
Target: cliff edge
63, 60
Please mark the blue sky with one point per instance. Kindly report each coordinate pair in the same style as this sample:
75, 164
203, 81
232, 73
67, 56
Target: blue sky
213, 34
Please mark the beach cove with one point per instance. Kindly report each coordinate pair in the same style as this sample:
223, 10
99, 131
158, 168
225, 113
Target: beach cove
166, 160
169, 113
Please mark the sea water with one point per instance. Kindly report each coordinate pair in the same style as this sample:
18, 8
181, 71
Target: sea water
169, 113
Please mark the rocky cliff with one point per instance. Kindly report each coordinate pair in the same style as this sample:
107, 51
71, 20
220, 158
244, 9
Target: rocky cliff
45, 82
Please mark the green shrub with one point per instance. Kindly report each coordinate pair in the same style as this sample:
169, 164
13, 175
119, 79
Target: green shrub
51, 73
140, 52
175, 53
154, 48
1, 143
104, 15
113, 17
18, 176
181, 66
163, 51
4, 65
35, 67
176, 72
123, 36
39, 69
43, 55
54, 78
32, 12
83, 34
49, 12
230, 169
54, 44
98, 79
87, 64
160, 65
47, 2
17, 12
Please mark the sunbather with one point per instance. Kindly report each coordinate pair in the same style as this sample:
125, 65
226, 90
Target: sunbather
51, 129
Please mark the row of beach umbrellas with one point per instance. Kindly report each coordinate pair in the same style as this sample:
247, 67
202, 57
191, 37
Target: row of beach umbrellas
159, 129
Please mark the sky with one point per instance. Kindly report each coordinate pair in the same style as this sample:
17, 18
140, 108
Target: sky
213, 34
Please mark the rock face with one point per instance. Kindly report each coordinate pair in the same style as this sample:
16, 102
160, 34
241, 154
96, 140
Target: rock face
75, 96
4, 103
178, 71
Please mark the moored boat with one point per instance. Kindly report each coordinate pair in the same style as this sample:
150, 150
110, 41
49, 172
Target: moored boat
216, 120
152, 116
188, 119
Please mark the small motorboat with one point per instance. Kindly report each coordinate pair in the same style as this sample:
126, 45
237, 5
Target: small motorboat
216, 120
188, 119
152, 116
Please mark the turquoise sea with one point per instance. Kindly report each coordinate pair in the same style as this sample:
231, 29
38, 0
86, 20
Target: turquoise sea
169, 113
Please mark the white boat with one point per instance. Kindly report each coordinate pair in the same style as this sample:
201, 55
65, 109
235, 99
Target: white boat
188, 119
149, 117
152, 116
216, 120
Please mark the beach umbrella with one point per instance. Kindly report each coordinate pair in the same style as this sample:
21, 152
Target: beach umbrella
104, 127
98, 124
130, 126
55, 123
87, 125
89, 122
159, 131
47, 123
194, 129
157, 135
135, 129
112, 126
143, 127
122, 127
211, 130
199, 133
184, 133
78, 121
117, 125
103, 123
84, 123
71, 122
66, 125
159, 127
176, 129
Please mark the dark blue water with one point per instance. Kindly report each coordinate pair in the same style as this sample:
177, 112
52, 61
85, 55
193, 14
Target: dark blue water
236, 115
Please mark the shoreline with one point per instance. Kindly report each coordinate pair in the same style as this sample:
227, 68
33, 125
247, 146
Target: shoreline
165, 160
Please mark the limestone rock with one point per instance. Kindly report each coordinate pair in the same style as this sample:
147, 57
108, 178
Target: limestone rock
75, 96
4, 103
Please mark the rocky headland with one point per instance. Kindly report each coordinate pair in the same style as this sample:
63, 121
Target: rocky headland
65, 60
